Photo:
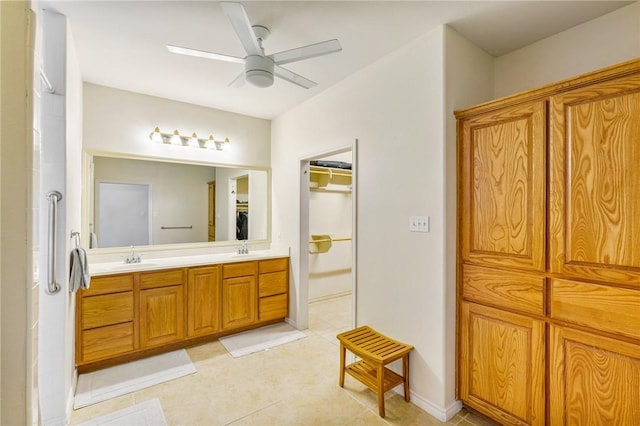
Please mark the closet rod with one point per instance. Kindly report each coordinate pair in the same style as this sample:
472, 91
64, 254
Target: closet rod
327, 240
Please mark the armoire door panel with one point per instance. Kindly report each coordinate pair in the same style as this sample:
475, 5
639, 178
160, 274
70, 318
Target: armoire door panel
595, 183
595, 380
502, 364
503, 187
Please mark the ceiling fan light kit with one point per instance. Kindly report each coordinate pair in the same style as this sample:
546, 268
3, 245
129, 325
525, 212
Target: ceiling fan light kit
259, 69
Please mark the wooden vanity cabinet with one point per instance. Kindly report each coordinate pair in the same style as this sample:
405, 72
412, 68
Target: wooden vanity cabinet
273, 289
105, 319
549, 268
132, 315
203, 301
161, 307
239, 294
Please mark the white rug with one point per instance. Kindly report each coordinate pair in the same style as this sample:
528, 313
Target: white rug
130, 377
260, 339
148, 413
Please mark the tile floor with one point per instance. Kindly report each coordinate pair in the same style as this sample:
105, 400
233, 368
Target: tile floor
293, 384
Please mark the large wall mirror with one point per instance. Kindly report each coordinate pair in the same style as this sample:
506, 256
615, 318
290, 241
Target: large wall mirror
147, 202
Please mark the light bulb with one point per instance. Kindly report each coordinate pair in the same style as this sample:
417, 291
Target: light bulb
194, 141
155, 136
175, 139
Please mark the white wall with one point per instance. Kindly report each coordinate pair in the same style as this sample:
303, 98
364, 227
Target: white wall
395, 108
468, 81
604, 41
118, 121
60, 160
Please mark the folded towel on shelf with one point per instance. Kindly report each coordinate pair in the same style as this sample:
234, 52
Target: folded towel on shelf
93, 240
79, 271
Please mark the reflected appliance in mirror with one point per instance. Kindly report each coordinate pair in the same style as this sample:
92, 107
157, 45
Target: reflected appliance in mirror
134, 201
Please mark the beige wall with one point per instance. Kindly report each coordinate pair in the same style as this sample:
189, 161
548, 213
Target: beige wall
604, 41
15, 193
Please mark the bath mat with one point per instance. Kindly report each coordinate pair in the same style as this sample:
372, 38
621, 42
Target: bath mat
148, 413
130, 377
260, 339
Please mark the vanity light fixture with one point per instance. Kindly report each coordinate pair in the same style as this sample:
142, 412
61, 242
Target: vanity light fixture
176, 138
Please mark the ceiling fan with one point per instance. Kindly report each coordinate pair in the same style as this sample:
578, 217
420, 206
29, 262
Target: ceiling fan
259, 68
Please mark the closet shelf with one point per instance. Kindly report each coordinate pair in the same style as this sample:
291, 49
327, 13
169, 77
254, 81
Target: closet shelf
321, 176
322, 243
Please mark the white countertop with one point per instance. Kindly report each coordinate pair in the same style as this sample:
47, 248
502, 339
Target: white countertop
107, 268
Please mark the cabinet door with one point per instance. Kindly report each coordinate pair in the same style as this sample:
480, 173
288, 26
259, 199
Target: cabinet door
203, 301
239, 298
501, 369
594, 380
595, 182
502, 187
161, 316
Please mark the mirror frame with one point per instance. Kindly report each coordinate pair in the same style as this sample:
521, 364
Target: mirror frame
84, 220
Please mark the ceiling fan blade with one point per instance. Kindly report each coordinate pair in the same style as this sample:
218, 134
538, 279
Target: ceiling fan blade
238, 81
292, 77
203, 54
306, 52
241, 24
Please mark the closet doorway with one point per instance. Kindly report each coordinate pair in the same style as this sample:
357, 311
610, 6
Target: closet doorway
328, 241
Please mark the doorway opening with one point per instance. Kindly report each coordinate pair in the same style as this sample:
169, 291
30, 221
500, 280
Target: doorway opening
328, 240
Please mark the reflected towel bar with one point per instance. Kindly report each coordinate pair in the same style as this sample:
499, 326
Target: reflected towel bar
53, 197
177, 227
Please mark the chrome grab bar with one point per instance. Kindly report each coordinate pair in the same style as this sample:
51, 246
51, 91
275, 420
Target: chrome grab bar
53, 197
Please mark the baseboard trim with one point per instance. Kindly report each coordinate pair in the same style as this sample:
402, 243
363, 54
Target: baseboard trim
433, 409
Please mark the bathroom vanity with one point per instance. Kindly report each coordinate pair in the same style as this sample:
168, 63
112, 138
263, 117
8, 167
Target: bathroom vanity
134, 311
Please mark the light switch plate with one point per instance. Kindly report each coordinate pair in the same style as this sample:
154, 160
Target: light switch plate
419, 224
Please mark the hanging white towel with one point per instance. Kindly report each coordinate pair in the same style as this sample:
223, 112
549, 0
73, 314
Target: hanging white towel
79, 272
93, 240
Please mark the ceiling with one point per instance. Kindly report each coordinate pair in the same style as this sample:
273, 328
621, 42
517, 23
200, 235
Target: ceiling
121, 44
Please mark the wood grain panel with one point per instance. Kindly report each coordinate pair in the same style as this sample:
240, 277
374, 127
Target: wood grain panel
108, 309
108, 284
241, 269
501, 364
273, 307
596, 380
273, 265
203, 301
272, 283
162, 278
105, 342
596, 182
161, 316
513, 290
239, 301
503, 187
611, 309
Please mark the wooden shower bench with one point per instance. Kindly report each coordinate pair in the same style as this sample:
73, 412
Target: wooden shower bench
375, 351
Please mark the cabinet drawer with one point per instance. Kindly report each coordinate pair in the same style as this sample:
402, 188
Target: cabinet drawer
273, 307
108, 309
105, 342
610, 309
511, 290
242, 269
273, 265
161, 279
272, 283
109, 284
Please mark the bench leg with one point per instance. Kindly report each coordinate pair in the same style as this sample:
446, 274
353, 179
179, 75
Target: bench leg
380, 374
405, 374
342, 355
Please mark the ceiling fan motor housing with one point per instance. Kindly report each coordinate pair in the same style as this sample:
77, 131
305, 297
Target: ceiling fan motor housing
259, 70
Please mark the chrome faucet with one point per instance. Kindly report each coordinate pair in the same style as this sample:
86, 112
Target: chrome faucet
133, 257
244, 248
